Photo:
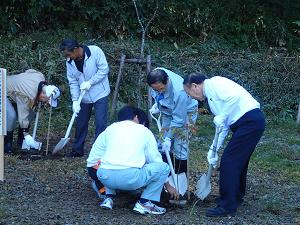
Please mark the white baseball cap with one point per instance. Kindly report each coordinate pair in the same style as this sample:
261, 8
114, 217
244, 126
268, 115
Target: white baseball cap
52, 93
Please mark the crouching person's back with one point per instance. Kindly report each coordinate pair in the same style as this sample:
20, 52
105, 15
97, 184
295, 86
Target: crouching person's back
130, 160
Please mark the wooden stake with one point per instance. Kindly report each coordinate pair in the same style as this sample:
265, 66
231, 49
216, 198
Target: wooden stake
48, 133
298, 117
115, 98
149, 89
1, 158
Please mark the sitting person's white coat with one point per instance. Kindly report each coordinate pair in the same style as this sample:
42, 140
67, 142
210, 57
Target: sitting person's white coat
130, 160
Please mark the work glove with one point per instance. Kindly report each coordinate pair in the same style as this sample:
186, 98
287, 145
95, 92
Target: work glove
219, 122
76, 107
154, 109
85, 86
166, 145
212, 157
29, 142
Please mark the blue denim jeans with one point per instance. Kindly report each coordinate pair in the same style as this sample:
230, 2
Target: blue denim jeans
82, 122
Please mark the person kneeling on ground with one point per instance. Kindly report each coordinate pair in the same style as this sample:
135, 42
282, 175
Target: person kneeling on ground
130, 160
94, 163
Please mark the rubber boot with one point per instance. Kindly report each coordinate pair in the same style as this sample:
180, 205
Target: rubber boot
8, 142
21, 135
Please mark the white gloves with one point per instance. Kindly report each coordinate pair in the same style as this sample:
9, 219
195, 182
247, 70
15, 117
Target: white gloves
154, 109
212, 157
76, 107
29, 142
85, 86
219, 121
166, 145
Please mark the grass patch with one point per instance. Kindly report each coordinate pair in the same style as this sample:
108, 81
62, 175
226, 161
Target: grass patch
2, 213
277, 151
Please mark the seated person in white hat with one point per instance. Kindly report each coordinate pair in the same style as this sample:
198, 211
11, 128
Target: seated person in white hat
24, 92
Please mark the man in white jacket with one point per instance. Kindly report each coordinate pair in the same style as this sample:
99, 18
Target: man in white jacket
130, 160
236, 110
87, 70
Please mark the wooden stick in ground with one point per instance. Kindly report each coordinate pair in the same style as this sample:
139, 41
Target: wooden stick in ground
188, 163
115, 98
149, 89
1, 158
48, 133
298, 117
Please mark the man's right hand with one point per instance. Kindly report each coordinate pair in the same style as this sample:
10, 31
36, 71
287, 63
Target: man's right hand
154, 109
76, 107
172, 191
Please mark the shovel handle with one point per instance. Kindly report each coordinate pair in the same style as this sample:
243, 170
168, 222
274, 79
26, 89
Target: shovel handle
82, 93
157, 120
172, 169
36, 121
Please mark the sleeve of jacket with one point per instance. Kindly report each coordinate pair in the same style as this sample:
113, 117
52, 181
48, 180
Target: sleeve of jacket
226, 94
73, 83
98, 150
102, 68
23, 112
221, 138
151, 152
179, 113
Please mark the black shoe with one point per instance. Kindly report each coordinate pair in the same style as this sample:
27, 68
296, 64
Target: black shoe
218, 211
239, 201
74, 154
21, 135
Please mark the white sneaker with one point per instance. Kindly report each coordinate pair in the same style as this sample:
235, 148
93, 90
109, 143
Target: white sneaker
95, 188
107, 203
148, 208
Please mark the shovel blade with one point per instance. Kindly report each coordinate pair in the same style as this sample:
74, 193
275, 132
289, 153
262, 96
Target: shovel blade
203, 187
180, 183
60, 145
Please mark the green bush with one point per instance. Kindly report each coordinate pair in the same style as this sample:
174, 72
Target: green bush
273, 80
244, 23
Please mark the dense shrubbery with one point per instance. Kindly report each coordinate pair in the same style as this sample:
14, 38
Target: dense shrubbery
274, 80
247, 23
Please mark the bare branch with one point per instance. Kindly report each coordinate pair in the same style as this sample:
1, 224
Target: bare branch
153, 16
138, 16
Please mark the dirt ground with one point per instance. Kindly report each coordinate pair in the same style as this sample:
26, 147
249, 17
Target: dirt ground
57, 190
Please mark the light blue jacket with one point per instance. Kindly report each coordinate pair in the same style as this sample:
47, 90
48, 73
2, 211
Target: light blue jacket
176, 102
95, 70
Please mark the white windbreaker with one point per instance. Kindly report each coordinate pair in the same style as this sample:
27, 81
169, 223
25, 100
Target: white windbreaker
124, 145
228, 99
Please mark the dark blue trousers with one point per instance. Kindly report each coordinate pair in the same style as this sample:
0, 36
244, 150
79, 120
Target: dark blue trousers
234, 162
82, 122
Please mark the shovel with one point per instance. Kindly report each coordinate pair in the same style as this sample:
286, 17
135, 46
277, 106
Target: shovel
203, 187
63, 141
178, 181
39, 144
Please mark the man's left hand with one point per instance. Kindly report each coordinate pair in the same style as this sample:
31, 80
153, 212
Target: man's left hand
85, 86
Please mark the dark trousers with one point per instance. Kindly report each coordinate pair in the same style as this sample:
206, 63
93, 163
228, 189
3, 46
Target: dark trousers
93, 174
180, 165
82, 122
234, 162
